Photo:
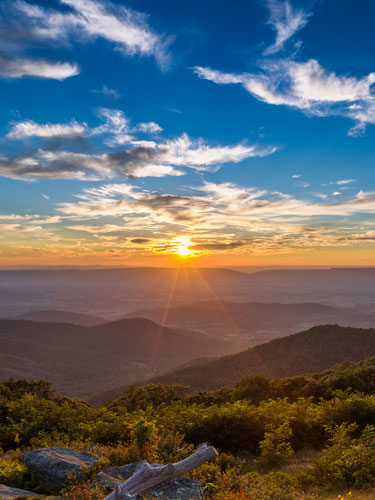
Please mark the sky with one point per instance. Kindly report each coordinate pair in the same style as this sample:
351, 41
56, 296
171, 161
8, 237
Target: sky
209, 133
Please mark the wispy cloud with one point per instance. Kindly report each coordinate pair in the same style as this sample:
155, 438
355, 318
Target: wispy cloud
211, 201
225, 217
286, 21
306, 86
29, 128
343, 182
142, 159
14, 67
136, 158
88, 20
149, 127
216, 218
116, 125
108, 92
303, 85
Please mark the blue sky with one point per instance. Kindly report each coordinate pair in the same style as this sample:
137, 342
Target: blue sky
243, 131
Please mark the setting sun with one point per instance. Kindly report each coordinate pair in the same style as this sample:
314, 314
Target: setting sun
183, 251
181, 247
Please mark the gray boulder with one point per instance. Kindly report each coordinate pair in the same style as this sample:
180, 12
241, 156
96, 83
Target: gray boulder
52, 465
8, 493
180, 488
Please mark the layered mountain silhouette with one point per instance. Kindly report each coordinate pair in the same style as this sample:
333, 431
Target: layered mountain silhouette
81, 361
311, 351
255, 321
52, 316
115, 292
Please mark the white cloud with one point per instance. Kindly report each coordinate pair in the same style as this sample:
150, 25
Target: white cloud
343, 182
285, 21
149, 127
12, 67
136, 159
311, 82
303, 85
306, 86
230, 199
29, 128
215, 217
108, 92
235, 214
91, 19
116, 124
19, 228
80, 166
218, 76
195, 154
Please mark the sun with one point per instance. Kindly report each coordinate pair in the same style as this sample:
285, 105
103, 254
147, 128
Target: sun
183, 251
180, 247
183, 247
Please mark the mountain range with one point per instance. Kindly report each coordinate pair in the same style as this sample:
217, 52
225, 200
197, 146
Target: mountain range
113, 293
254, 321
53, 316
310, 351
82, 361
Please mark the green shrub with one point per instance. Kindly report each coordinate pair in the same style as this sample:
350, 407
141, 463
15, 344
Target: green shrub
347, 461
13, 473
275, 447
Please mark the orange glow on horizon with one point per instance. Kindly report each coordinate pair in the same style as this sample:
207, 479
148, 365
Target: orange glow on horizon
173, 253
181, 247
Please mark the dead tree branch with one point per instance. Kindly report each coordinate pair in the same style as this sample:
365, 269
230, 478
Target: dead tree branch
147, 477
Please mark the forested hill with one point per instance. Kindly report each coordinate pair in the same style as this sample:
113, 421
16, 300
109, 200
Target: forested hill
310, 351
258, 322
54, 316
82, 361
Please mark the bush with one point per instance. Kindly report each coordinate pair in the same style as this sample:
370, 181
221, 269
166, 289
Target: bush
347, 461
275, 447
13, 473
254, 388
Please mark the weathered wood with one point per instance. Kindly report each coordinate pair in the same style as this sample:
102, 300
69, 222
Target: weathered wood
146, 477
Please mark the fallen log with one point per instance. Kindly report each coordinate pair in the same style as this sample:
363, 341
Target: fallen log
147, 477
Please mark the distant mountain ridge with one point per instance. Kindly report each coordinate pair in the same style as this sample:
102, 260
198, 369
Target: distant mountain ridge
111, 292
81, 361
256, 321
53, 316
311, 351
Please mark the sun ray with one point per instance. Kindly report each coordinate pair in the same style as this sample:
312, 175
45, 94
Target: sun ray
163, 321
217, 299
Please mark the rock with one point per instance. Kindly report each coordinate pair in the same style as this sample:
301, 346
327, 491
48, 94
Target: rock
52, 465
180, 488
7, 493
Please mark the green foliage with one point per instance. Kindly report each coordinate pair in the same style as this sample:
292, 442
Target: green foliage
139, 398
144, 440
13, 472
275, 447
253, 428
347, 460
254, 388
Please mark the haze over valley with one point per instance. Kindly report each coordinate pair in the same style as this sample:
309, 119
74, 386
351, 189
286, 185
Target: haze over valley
193, 314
